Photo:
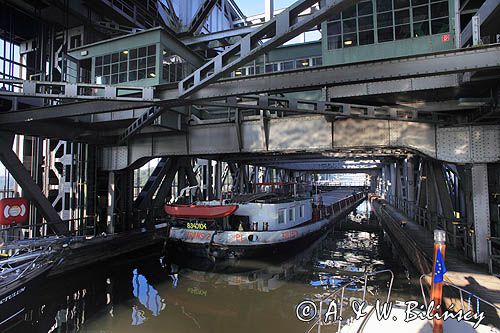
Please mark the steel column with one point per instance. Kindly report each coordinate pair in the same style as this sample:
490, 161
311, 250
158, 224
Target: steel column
481, 202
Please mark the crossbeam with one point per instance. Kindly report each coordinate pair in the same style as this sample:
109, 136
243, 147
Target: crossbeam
201, 16
69, 110
447, 62
276, 32
338, 110
81, 91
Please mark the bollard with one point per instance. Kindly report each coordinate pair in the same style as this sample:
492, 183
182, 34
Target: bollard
438, 271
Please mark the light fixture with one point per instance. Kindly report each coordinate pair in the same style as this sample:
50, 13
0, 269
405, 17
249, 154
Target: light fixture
125, 52
305, 63
348, 42
152, 74
238, 72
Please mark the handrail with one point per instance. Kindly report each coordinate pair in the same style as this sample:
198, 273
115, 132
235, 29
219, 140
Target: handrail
461, 291
363, 278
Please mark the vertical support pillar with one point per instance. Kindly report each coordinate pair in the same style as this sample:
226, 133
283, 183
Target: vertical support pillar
480, 199
410, 186
269, 10
392, 186
111, 203
476, 30
218, 179
181, 180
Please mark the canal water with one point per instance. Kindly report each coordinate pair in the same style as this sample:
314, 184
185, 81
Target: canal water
157, 293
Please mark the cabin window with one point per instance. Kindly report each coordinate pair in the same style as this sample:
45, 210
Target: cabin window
301, 211
281, 216
291, 214
138, 64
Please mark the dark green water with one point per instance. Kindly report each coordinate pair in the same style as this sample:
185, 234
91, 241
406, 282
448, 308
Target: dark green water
153, 293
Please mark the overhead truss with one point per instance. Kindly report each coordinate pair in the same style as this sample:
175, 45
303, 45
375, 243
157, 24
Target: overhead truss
275, 32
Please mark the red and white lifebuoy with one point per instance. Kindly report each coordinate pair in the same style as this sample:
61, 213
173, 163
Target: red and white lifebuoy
13, 210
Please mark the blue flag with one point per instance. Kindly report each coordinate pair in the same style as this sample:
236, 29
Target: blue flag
440, 268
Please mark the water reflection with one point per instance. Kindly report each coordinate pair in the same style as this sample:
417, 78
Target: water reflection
176, 294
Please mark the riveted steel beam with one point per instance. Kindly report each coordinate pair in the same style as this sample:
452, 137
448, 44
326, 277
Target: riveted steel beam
424, 65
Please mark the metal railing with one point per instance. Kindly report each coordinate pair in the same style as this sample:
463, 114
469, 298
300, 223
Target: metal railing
330, 297
471, 298
456, 228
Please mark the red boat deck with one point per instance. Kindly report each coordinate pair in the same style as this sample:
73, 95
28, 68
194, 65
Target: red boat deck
200, 211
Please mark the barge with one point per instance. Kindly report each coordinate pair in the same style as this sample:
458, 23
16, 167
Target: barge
254, 225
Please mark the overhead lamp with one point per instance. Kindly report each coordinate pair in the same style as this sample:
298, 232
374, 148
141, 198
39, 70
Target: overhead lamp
305, 63
238, 72
348, 42
125, 52
152, 74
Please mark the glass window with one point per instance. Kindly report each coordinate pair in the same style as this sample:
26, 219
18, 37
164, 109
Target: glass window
124, 55
385, 34
349, 12
401, 4
365, 23
365, 8
350, 40
281, 216
421, 29
132, 75
115, 57
333, 28
384, 5
366, 37
301, 211
439, 9
291, 214
440, 25
419, 2
349, 26
402, 16
271, 68
317, 61
302, 63
384, 20
98, 61
402, 31
334, 42
421, 13
142, 52
141, 74
287, 65
141, 64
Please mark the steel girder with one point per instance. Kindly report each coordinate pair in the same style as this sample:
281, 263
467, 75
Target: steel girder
484, 12
314, 134
200, 16
219, 35
277, 31
80, 91
338, 110
419, 66
69, 110
10, 160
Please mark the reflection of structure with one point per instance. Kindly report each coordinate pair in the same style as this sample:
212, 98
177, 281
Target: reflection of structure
147, 295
